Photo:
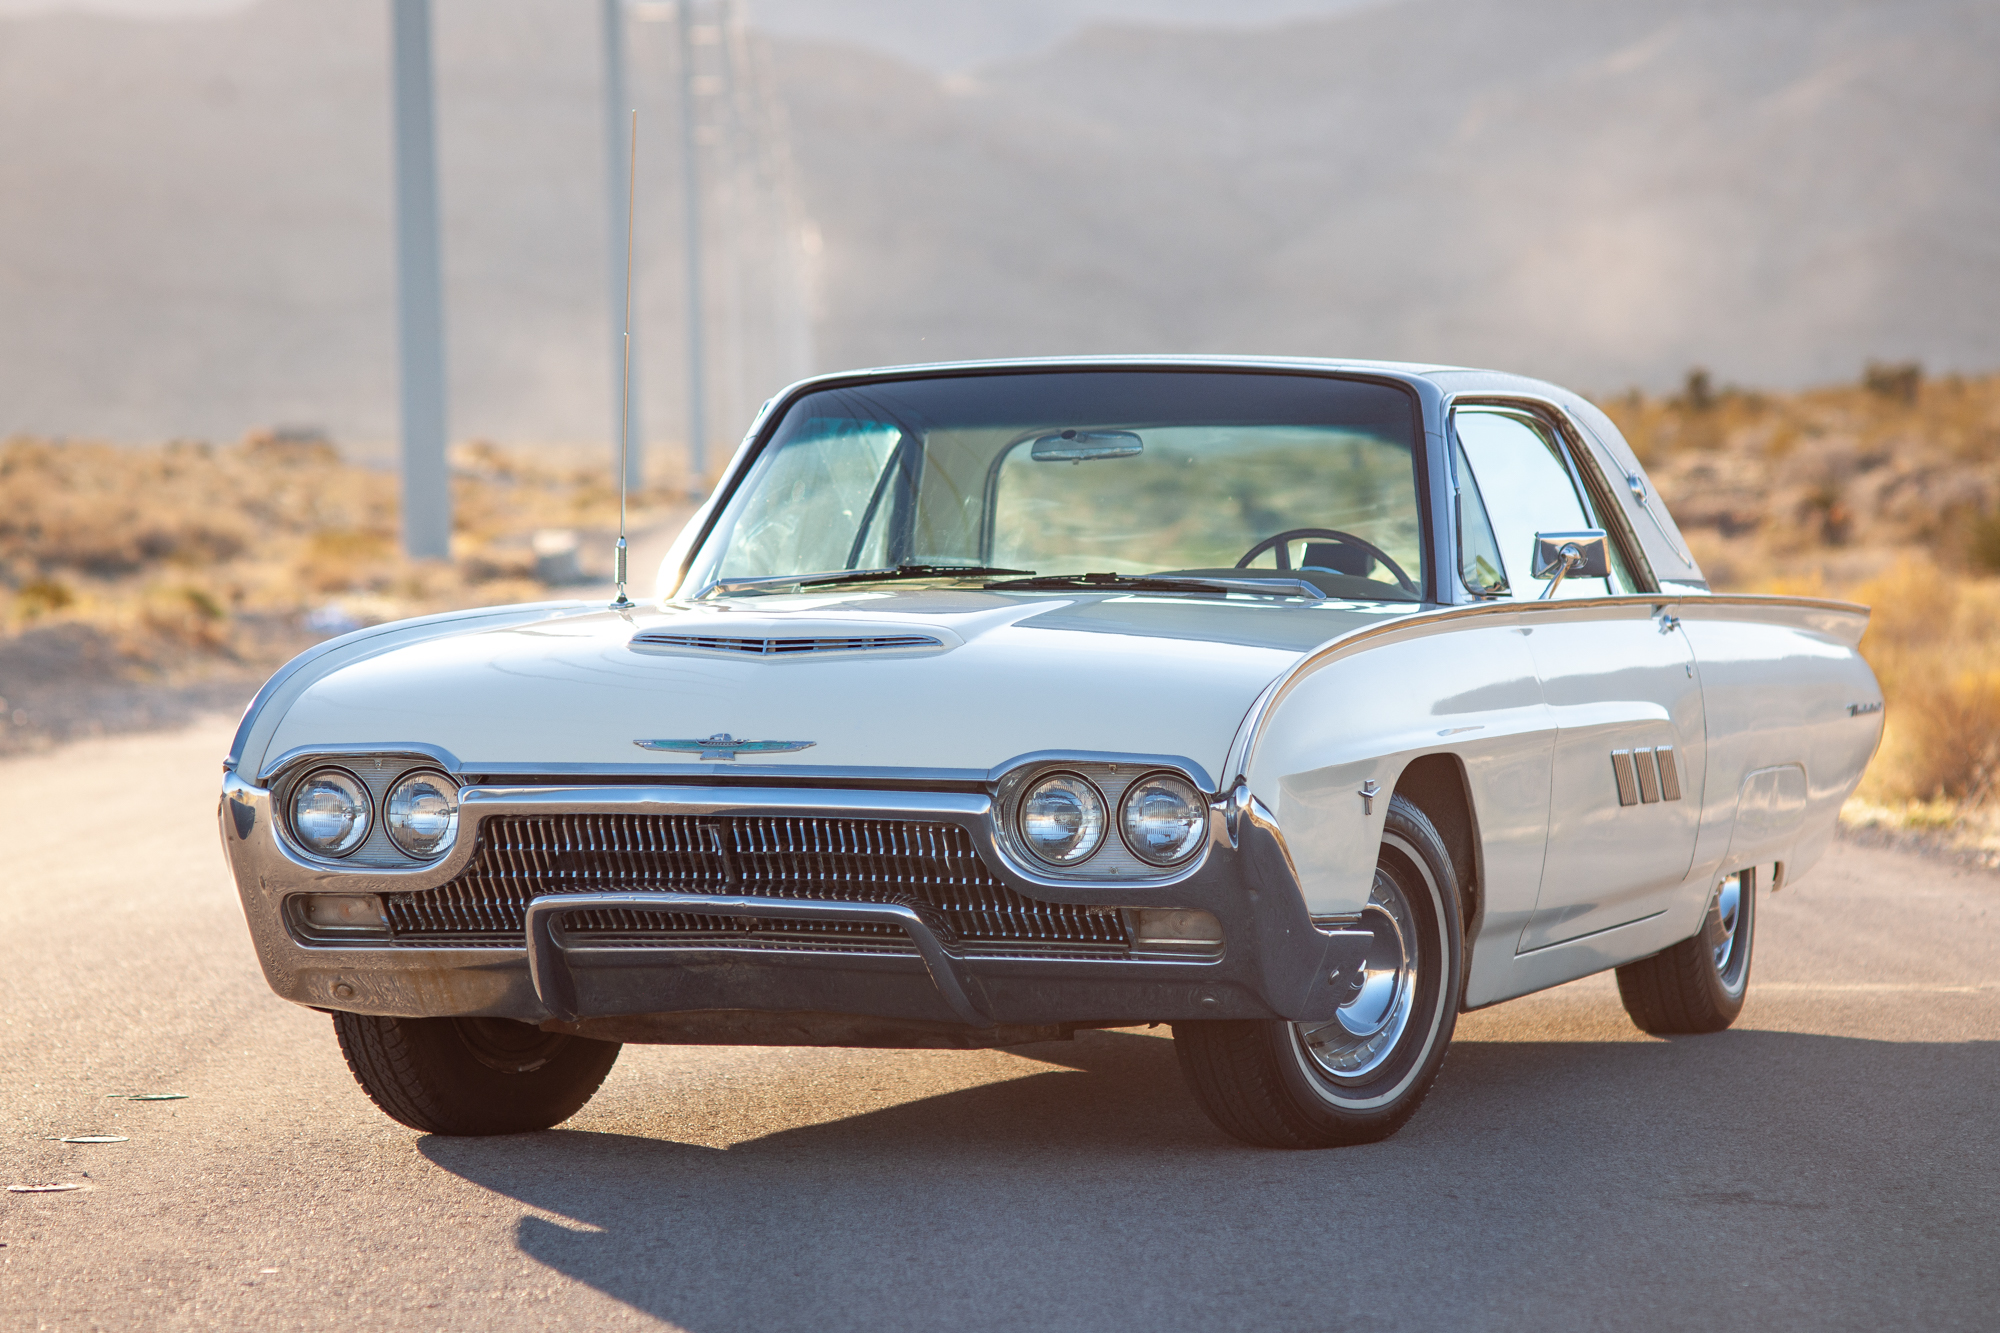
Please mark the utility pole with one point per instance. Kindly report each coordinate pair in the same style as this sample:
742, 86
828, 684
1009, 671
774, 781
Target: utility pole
419, 288
617, 156
691, 192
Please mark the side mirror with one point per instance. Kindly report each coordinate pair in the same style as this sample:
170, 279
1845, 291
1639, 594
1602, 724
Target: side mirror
1561, 554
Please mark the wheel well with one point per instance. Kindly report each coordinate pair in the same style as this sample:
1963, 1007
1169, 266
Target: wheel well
1436, 785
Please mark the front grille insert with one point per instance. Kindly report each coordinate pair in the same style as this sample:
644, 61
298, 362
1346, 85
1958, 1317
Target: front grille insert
772, 647
932, 866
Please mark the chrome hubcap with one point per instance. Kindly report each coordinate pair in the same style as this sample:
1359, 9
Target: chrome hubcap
1371, 1020
1727, 912
1728, 930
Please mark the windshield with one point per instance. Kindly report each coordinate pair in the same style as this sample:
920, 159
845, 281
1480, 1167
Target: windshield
1216, 474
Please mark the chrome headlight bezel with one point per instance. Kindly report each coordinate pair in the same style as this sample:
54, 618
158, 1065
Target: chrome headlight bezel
1197, 833
412, 845
360, 795
1113, 863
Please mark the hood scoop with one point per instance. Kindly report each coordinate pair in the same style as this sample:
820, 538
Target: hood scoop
671, 640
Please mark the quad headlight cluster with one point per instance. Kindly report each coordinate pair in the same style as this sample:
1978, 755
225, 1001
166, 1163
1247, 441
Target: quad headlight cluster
332, 813
1063, 819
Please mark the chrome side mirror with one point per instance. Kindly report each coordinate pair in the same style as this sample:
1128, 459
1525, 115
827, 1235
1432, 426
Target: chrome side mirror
1561, 554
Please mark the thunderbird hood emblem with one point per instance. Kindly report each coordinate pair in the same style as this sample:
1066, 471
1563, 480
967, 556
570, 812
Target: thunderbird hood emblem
724, 746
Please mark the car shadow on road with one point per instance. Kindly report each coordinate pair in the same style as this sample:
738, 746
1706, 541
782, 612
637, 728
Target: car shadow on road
1095, 1195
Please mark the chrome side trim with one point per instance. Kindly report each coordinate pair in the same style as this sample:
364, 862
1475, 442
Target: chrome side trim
1264, 843
555, 983
1636, 483
1243, 748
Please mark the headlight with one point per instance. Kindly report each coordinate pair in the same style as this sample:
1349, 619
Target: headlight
1062, 819
330, 812
1162, 819
423, 813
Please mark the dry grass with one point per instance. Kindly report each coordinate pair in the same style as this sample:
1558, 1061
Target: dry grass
1886, 492
160, 564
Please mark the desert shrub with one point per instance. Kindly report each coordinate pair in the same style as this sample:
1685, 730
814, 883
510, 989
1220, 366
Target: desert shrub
188, 616
338, 559
1698, 393
1934, 641
1971, 534
1899, 381
41, 596
1946, 742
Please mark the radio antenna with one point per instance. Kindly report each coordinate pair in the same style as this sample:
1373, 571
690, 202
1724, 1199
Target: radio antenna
625, 394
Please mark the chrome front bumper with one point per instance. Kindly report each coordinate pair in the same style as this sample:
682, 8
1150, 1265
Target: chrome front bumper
1275, 963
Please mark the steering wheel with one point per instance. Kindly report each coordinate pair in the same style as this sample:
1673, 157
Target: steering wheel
1282, 542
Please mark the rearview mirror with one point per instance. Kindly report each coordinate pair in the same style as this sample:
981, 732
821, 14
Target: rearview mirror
1075, 446
1558, 555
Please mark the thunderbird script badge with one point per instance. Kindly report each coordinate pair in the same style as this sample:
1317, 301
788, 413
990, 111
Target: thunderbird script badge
725, 746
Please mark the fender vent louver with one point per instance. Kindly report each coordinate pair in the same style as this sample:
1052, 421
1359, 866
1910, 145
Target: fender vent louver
1646, 776
772, 647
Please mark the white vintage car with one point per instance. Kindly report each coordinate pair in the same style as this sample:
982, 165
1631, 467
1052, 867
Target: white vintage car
1297, 704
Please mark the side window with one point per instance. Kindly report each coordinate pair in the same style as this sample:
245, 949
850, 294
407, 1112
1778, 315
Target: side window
1520, 474
1478, 549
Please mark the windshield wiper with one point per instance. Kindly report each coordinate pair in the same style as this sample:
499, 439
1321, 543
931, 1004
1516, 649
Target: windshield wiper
832, 577
1163, 583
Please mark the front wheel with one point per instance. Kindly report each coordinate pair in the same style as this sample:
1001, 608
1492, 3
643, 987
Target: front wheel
472, 1075
1358, 1077
1699, 984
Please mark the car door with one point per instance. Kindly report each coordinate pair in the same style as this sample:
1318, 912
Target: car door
1620, 683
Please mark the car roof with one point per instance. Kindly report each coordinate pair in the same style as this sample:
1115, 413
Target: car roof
1395, 369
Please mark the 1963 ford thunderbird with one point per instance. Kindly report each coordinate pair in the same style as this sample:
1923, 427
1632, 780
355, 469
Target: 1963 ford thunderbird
1297, 704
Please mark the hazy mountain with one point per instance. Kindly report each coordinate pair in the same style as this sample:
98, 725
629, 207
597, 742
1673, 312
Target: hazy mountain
195, 215
956, 35
1601, 193
935, 34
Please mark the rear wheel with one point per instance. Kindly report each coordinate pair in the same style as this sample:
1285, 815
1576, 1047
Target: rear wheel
1358, 1077
1699, 984
472, 1075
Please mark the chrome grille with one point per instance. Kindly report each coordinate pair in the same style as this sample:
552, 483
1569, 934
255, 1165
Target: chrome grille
767, 647
931, 866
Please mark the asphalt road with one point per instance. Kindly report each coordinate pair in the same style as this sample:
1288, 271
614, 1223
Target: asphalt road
1829, 1163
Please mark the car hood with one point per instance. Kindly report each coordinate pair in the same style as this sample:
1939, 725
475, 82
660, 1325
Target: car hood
1003, 675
